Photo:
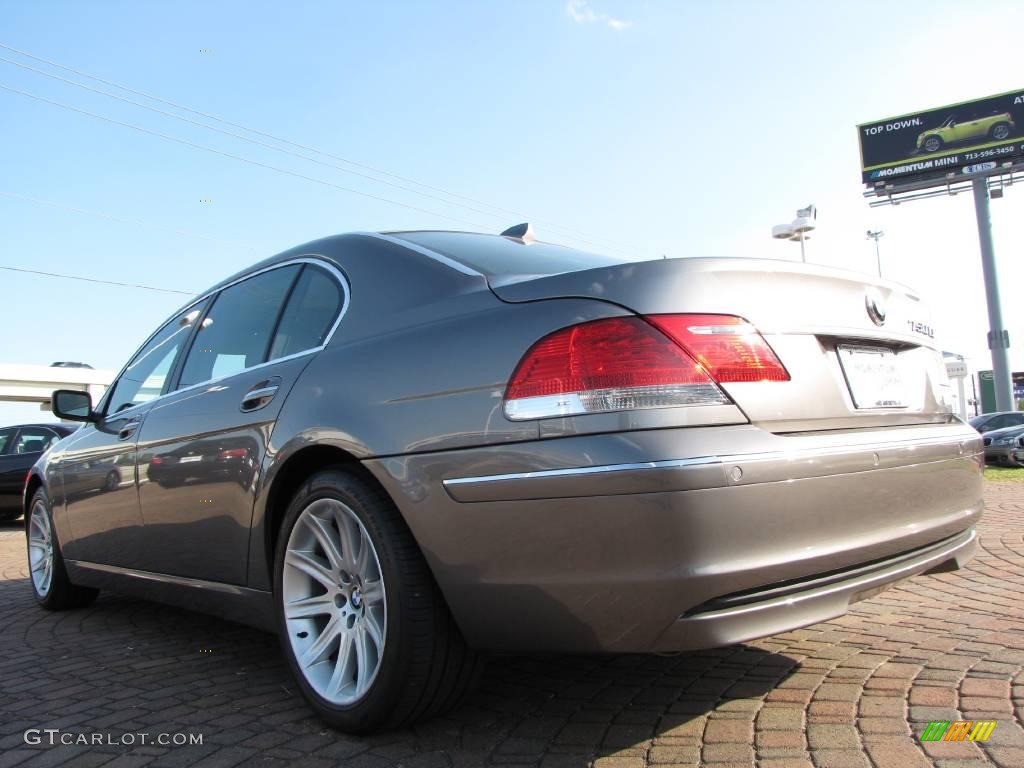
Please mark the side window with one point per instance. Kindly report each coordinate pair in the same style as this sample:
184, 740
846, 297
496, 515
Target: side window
999, 422
145, 376
5, 440
235, 334
312, 309
34, 440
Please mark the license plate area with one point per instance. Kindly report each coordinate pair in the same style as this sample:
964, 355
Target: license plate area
875, 376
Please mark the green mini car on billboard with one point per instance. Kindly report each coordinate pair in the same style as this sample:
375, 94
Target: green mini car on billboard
951, 131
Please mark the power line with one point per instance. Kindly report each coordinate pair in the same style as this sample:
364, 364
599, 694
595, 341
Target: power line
123, 220
241, 136
553, 225
222, 153
95, 280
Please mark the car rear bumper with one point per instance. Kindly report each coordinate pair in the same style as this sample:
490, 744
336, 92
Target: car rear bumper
683, 538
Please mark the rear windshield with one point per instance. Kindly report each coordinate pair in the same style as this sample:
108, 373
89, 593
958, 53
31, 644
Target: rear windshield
497, 256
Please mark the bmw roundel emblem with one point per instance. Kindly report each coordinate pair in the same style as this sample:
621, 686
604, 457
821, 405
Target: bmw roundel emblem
876, 307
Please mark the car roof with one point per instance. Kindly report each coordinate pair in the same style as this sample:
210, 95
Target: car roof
1005, 430
60, 427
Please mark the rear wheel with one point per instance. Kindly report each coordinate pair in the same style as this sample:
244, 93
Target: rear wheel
50, 583
932, 144
365, 630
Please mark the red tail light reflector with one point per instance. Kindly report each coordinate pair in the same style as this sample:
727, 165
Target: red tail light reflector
728, 347
616, 364
627, 363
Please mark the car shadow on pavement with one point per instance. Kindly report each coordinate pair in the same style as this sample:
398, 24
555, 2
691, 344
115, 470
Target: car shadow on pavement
127, 665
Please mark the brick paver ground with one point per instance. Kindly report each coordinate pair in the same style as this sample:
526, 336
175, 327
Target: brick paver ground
851, 692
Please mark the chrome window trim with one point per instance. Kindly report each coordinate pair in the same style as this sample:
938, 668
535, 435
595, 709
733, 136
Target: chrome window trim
308, 259
448, 262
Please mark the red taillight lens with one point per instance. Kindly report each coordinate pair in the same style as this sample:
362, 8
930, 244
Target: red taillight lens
728, 347
234, 453
616, 364
157, 460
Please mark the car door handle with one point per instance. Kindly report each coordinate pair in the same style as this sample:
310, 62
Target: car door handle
260, 395
128, 430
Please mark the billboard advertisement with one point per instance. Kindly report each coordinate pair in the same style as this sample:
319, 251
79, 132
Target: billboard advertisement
971, 136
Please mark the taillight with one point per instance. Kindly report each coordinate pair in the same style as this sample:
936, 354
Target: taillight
627, 363
728, 347
233, 453
616, 364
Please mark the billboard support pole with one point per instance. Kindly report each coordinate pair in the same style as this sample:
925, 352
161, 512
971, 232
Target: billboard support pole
998, 337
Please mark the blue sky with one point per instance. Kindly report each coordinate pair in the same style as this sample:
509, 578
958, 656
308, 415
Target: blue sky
682, 128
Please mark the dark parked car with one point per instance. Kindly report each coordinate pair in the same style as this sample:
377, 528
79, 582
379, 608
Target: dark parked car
467, 442
989, 422
20, 448
205, 461
1003, 446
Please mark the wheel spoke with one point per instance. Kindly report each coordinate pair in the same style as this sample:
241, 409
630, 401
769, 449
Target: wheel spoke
373, 592
321, 646
326, 541
364, 669
348, 539
319, 605
305, 562
343, 666
374, 630
363, 558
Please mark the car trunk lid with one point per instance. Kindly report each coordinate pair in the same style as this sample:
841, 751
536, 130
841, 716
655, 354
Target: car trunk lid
860, 352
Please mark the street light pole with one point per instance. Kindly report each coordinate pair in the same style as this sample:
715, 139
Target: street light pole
998, 337
876, 235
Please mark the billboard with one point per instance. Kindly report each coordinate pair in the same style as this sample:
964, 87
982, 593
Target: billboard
963, 138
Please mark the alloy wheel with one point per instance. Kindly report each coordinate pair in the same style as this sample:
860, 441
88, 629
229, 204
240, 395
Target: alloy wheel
334, 602
40, 548
1000, 132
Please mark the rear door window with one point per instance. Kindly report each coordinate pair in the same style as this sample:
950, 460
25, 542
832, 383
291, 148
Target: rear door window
235, 334
6, 436
34, 440
312, 308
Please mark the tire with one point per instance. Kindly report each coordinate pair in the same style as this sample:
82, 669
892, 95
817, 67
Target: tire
932, 144
373, 592
999, 131
113, 481
51, 586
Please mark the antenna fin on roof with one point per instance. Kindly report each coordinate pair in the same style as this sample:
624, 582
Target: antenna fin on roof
522, 232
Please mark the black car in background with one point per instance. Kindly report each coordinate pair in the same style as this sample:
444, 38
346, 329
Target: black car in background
1003, 446
989, 422
20, 446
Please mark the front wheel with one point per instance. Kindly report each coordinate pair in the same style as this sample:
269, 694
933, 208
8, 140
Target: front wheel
1000, 131
51, 586
366, 633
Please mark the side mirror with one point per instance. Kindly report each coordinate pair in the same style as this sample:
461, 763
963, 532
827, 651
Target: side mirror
72, 405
